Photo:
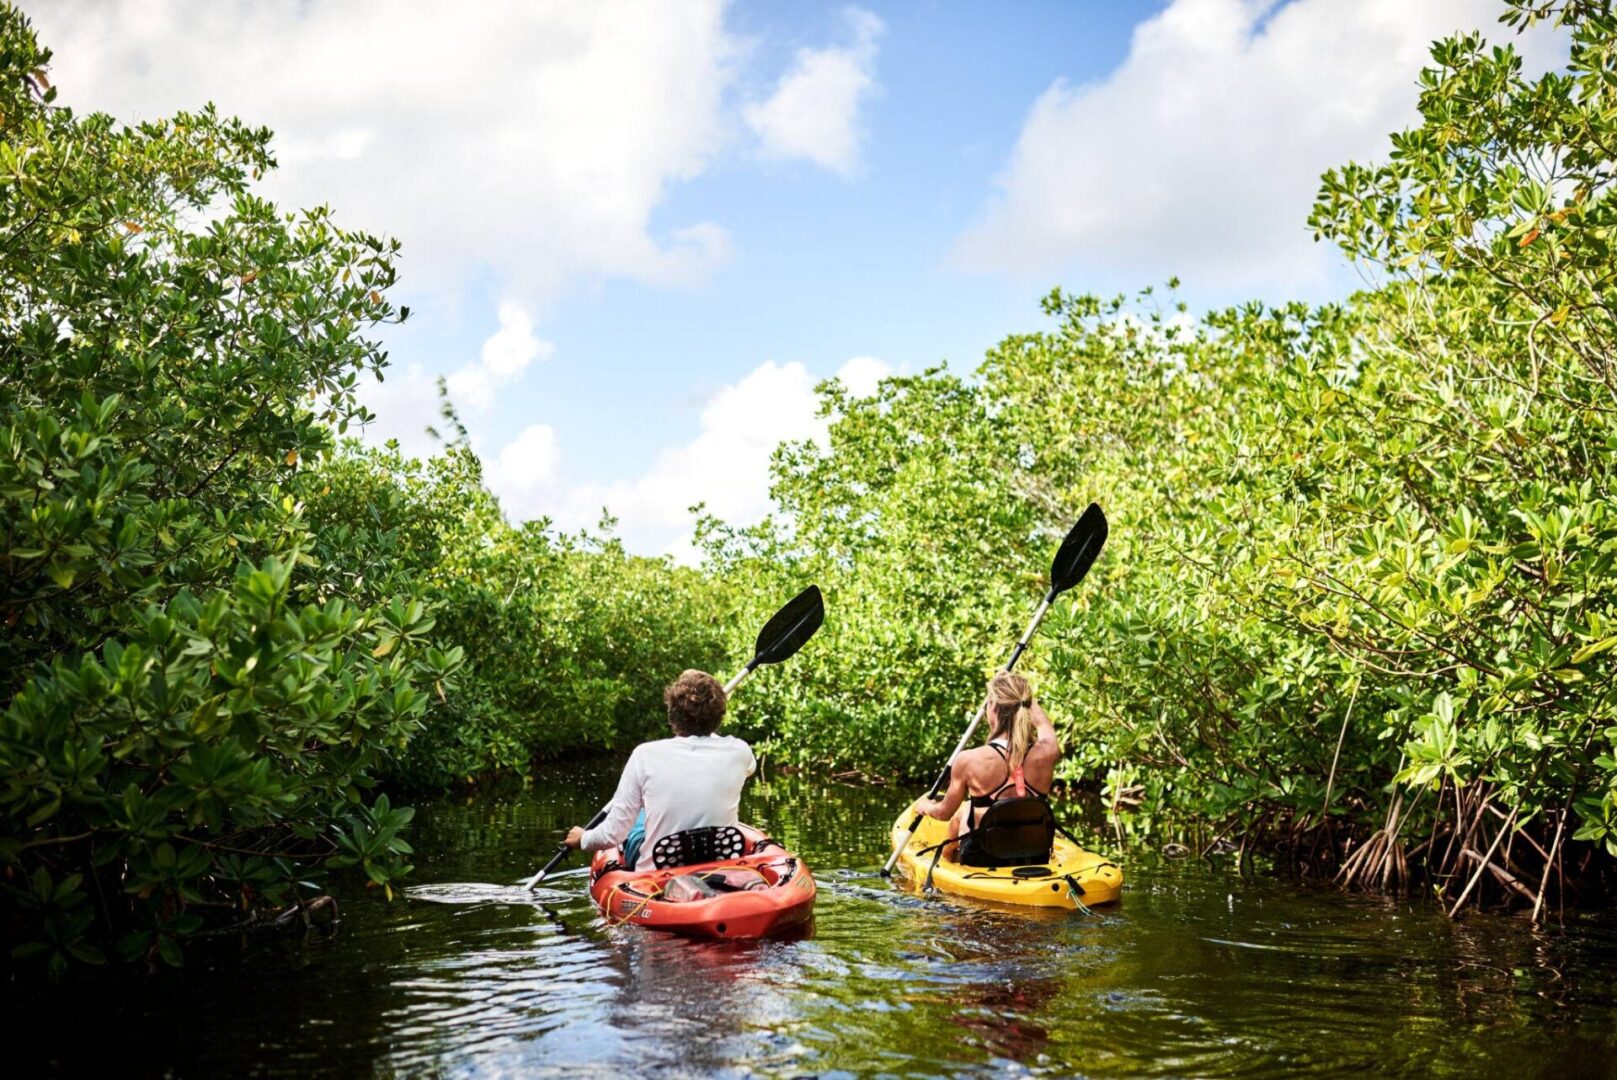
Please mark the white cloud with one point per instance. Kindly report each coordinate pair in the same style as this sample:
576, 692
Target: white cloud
814, 112
861, 374
535, 140
726, 466
406, 402
505, 356
524, 473
1200, 155
513, 346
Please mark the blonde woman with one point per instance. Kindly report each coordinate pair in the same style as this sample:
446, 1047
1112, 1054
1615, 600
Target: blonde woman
1018, 760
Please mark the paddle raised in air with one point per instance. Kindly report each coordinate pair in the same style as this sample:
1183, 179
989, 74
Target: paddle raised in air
1073, 560
786, 632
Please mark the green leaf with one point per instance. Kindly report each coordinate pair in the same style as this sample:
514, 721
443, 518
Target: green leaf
170, 952
1594, 649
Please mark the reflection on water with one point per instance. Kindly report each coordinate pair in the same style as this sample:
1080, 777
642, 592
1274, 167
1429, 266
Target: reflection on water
474, 892
1195, 973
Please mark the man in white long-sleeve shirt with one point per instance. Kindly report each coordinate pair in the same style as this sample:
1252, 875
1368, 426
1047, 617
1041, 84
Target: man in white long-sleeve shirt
688, 782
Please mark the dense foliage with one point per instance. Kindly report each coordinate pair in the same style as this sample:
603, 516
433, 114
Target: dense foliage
1358, 600
568, 640
222, 629
193, 707
1357, 604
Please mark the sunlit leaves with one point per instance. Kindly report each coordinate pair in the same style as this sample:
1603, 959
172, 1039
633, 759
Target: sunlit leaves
1398, 506
188, 701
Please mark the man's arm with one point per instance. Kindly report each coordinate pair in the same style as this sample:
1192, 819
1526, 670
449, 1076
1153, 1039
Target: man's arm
620, 815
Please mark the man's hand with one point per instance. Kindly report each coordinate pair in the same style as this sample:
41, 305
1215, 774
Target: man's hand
575, 836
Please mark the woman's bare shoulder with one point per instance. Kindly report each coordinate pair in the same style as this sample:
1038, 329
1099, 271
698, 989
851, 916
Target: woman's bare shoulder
971, 762
974, 755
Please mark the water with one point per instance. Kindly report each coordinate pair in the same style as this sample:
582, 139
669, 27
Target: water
1195, 973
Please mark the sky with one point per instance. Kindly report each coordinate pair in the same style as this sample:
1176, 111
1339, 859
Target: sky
637, 233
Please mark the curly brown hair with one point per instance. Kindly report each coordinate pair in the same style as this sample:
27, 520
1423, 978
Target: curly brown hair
695, 703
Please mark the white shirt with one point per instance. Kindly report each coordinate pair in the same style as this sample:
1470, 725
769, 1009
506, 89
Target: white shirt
687, 782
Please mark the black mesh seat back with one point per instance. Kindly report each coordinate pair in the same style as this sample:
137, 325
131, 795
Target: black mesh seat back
1012, 832
694, 846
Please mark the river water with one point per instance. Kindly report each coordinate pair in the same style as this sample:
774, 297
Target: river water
1196, 972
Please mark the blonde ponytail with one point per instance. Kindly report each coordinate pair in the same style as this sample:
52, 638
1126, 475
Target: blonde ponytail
1011, 698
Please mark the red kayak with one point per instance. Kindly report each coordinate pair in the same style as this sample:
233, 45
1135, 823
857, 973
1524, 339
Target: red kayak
726, 882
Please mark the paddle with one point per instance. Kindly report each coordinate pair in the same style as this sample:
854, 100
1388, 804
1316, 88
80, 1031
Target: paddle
782, 635
1073, 560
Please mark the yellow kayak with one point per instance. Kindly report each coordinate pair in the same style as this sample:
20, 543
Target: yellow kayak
1072, 874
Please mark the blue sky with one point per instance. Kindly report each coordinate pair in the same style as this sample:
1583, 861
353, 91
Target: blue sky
637, 233
828, 267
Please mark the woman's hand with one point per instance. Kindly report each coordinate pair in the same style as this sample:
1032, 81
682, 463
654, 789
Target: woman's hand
575, 836
932, 808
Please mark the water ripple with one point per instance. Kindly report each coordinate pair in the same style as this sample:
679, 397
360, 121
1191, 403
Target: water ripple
1195, 973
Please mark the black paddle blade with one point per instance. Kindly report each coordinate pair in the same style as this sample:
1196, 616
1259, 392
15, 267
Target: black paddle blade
1078, 550
790, 628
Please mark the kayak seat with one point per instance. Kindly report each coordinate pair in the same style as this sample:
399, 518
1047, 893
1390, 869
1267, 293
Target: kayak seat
710, 844
1012, 832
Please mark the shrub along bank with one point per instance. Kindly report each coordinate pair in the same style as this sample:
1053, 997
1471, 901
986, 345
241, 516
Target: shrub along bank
568, 640
1357, 604
221, 630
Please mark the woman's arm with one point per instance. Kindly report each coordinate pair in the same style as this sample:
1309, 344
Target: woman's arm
943, 809
1047, 730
